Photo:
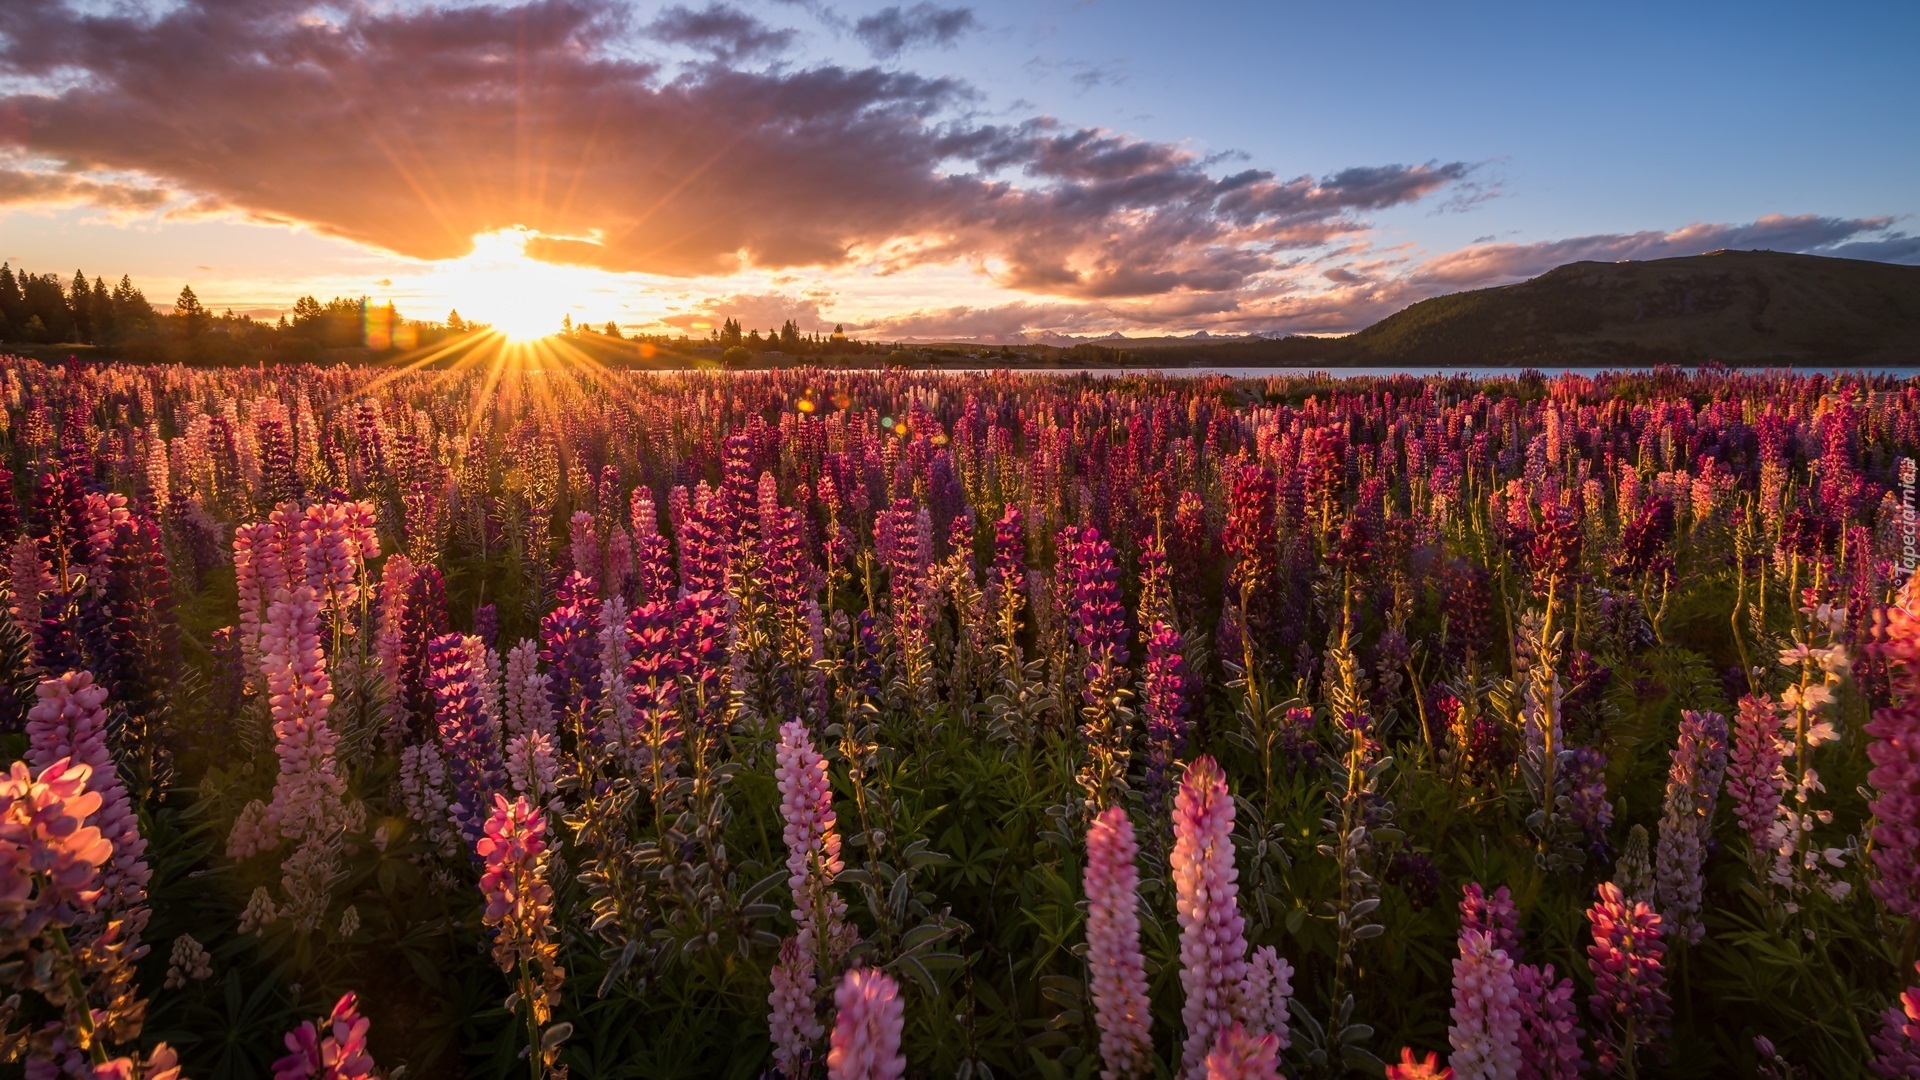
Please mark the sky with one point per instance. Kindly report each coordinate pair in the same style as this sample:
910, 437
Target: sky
996, 171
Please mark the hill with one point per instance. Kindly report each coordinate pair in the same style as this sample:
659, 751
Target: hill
1738, 307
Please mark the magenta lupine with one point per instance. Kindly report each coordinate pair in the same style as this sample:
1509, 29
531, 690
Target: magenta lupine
1213, 945
1092, 600
1118, 970
866, 1028
1754, 778
1895, 776
1897, 1043
336, 1049
1549, 1025
1699, 758
1491, 915
1629, 999
469, 744
653, 563
1239, 1054
1485, 1034
68, 722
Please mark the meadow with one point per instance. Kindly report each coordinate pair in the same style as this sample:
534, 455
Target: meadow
534, 720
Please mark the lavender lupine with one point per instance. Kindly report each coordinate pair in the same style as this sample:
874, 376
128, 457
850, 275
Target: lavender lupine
792, 1013
1895, 776
1629, 999
1584, 778
866, 1028
1693, 785
1267, 993
1213, 946
1114, 959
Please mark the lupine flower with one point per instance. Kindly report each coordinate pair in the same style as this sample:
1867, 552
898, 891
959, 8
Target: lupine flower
1633, 874
1693, 785
1754, 779
792, 1020
68, 722
50, 858
1485, 1035
307, 794
570, 644
527, 705
1629, 997
1241, 1055
470, 745
813, 847
1264, 997
1118, 970
1895, 776
1583, 772
1897, 1043
1412, 1068
519, 901
866, 1028
1491, 915
1213, 946
336, 1050
1549, 1025
188, 961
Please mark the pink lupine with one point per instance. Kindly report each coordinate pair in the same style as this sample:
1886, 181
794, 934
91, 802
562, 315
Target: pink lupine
866, 1028
1629, 997
50, 857
1491, 915
585, 545
813, 847
29, 579
1118, 970
1213, 946
519, 901
1897, 1043
335, 1050
1264, 997
1754, 779
307, 793
338, 539
396, 580
792, 1021
1239, 1054
1485, 1034
68, 722
1549, 1025
1895, 776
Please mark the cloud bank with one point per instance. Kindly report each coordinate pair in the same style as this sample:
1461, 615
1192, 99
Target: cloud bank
413, 129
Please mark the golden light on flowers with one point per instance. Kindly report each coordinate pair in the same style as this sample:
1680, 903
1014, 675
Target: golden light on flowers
524, 299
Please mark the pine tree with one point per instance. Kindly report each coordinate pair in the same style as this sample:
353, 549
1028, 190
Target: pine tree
187, 308
13, 303
455, 324
100, 314
80, 307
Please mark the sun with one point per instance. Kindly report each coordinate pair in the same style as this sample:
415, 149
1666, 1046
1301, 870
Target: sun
523, 299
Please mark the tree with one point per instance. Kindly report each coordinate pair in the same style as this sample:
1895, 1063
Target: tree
839, 334
80, 307
130, 308
100, 314
566, 326
612, 330
736, 356
790, 336
455, 324
193, 317
13, 303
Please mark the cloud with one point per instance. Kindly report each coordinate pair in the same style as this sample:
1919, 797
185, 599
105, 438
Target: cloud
755, 311
31, 187
725, 31
413, 129
892, 30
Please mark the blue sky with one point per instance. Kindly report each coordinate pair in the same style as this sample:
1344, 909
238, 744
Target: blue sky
1098, 143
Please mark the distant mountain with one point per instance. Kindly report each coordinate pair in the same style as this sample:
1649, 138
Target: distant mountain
1739, 307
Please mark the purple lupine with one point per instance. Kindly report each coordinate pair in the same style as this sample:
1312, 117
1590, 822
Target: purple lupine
1583, 776
469, 742
1100, 629
1163, 695
570, 644
652, 563
1549, 1025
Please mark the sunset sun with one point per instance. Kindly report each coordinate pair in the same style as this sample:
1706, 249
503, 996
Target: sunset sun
521, 298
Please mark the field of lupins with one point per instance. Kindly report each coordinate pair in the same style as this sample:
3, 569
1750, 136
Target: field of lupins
532, 723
